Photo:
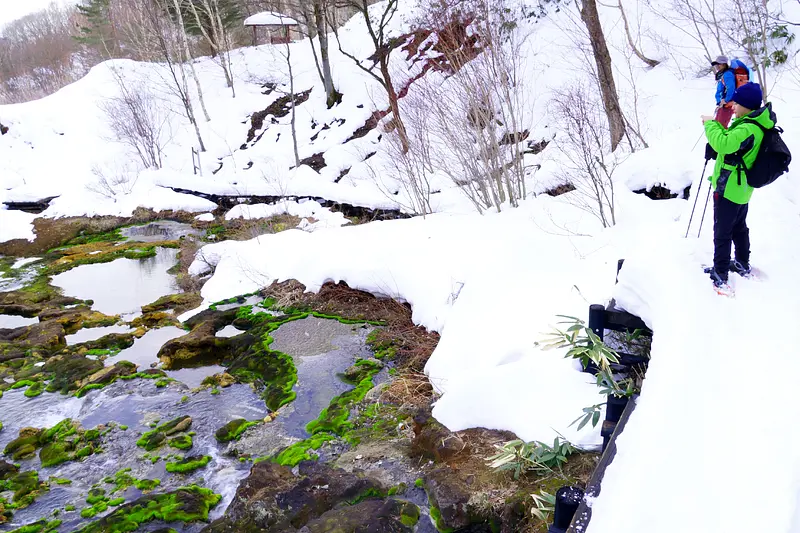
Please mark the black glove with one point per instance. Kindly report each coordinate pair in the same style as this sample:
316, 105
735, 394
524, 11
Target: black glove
710, 153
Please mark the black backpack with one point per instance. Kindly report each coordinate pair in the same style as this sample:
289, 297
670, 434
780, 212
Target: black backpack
772, 160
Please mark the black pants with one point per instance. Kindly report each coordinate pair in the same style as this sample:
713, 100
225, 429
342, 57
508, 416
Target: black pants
730, 226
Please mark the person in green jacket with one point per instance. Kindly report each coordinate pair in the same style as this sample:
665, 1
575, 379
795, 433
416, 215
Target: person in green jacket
740, 142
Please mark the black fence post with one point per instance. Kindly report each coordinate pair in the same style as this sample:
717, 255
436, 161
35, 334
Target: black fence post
568, 499
597, 319
619, 267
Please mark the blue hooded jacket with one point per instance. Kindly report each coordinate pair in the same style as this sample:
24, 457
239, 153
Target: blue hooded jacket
726, 84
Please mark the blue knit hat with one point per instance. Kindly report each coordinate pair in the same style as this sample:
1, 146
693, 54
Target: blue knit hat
748, 95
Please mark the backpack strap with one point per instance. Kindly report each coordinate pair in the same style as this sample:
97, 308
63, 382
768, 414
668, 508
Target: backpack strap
740, 156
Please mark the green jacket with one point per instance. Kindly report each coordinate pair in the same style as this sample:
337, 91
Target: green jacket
743, 138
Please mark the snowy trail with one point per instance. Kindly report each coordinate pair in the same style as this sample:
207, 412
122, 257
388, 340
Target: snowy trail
715, 429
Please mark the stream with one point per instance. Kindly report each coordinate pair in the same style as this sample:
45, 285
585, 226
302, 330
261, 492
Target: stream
320, 349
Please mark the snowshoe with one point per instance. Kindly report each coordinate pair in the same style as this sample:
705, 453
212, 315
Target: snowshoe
721, 285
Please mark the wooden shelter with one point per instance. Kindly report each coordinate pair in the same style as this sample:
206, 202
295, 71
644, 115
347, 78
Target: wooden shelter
270, 27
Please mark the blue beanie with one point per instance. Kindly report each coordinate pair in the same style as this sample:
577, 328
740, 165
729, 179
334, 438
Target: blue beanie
748, 95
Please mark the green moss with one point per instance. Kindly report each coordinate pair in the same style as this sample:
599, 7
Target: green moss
151, 440
371, 492
234, 429
61, 481
215, 391
116, 502
299, 451
438, 521
35, 389
184, 399
123, 479
111, 236
334, 418
419, 483
96, 495
25, 486
163, 382
42, 526
186, 504
189, 464
69, 507
397, 489
91, 434
22, 383
409, 514
181, 442
123, 428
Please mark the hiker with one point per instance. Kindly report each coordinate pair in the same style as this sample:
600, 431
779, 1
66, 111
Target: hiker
726, 85
729, 181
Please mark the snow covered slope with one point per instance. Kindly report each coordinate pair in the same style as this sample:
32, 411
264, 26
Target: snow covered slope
713, 443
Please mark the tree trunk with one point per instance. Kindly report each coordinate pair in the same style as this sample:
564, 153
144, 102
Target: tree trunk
605, 74
393, 103
327, 77
294, 111
188, 57
646, 60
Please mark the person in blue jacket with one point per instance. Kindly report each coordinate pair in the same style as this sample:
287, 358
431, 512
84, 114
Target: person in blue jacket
726, 85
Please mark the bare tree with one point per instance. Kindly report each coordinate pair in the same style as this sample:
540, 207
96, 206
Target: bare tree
138, 121
605, 73
215, 33
470, 116
378, 30
588, 163
647, 61
187, 57
315, 18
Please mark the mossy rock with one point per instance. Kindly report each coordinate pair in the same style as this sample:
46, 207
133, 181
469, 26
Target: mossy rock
181, 442
186, 504
180, 302
69, 370
158, 436
157, 319
188, 464
26, 486
222, 379
234, 429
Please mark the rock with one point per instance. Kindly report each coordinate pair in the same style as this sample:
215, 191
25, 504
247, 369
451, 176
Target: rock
274, 499
48, 336
199, 346
447, 492
108, 374
178, 302
158, 319
69, 370
224, 379
434, 441
76, 318
359, 371
370, 516
7, 469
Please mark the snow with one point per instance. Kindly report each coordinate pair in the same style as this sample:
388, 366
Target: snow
269, 18
19, 263
16, 225
313, 215
205, 217
720, 385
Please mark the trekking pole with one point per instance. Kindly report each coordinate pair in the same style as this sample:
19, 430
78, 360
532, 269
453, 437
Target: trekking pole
704, 210
699, 186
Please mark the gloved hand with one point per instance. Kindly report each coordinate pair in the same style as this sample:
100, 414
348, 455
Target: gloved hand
710, 153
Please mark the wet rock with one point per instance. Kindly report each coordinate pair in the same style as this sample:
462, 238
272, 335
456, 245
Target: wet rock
108, 374
272, 498
451, 495
158, 319
434, 441
24, 445
199, 346
46, 336
69, 370
178, 302
78, 317
7, 470
371, 516
359, 371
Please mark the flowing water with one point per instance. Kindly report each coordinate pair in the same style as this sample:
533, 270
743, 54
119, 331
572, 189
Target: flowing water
161, 230
320, 348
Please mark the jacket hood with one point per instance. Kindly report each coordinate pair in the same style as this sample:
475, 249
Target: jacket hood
764, 116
